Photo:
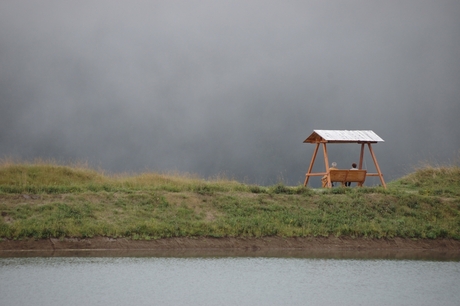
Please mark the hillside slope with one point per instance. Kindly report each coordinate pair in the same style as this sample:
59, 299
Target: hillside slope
46, 200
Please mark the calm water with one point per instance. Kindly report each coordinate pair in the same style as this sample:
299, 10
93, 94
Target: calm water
227, 281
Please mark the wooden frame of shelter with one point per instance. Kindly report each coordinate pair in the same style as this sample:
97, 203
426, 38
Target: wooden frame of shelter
323, 137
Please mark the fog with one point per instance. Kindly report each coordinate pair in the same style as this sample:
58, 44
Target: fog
228, 88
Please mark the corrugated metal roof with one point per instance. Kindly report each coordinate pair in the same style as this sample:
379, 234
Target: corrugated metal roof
343, 136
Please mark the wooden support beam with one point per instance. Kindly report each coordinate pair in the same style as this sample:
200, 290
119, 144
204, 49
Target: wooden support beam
326, 162
361, 157
307, 176
377, 166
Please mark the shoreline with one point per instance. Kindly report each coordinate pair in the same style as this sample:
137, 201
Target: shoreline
311, 247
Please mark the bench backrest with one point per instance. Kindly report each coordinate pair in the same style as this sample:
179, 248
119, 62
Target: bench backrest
348, 175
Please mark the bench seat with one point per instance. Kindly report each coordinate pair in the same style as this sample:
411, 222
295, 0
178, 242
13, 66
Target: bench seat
353, 176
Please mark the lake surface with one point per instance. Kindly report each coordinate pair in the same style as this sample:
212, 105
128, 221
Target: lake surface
227, 281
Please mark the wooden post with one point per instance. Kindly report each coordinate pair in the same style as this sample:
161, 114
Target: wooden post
326, 161
307, 176
361, 156
377, 166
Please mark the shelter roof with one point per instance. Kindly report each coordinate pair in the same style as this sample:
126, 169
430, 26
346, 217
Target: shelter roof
343, 136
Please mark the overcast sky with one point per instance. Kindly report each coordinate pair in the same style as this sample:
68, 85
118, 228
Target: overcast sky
228, 87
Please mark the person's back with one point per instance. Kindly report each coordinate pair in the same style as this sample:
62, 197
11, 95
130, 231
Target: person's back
353, 167
324, 178
333, 166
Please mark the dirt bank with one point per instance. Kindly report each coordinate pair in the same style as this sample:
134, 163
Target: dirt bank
323, 243
318, 247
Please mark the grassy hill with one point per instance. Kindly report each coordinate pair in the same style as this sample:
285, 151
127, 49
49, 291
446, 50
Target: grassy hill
43, 200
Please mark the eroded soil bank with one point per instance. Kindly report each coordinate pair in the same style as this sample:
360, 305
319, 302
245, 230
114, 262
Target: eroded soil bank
327, 247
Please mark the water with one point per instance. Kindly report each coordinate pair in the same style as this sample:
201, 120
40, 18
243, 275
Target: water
227, 281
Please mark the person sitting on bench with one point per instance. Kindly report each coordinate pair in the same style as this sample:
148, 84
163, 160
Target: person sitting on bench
324, 178
353, 167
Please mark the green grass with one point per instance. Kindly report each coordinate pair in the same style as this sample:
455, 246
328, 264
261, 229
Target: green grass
43, 200
430, 180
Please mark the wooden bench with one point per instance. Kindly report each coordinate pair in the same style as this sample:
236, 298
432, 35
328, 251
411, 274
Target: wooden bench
352, 176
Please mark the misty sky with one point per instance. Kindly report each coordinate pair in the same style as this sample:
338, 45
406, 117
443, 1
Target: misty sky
228, 87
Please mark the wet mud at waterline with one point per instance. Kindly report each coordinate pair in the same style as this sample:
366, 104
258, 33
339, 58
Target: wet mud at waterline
315, 247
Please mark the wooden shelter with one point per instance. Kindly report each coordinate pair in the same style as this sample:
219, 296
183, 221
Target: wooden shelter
324, 137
